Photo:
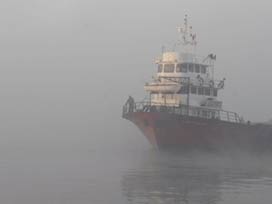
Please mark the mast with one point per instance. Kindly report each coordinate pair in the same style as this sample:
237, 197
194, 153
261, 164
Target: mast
187, 37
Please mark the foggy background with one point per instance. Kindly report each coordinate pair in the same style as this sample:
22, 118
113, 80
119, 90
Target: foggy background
67, 66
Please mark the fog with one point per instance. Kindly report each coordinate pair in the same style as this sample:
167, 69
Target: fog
68, 66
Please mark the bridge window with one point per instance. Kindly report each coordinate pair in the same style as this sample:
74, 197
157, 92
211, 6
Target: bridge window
191, 68
207, 91
169, 68
178, 68
159, 68
197, 68
182, 68
193, 89
203, 69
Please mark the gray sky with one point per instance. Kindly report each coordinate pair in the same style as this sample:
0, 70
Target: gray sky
67, 66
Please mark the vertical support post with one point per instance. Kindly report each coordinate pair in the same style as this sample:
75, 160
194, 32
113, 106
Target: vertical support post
188, 94
212, 63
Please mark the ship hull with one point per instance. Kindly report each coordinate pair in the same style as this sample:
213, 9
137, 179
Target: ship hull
164, 130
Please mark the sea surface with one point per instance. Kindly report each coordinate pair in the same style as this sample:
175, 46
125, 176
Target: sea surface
130, 173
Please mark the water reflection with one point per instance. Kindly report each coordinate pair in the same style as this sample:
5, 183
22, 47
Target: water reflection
195, 178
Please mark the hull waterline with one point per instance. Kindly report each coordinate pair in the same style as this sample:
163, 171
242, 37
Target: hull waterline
164, 130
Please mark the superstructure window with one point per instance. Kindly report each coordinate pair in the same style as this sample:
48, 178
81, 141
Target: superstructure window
182, 68
191, 68
168, 68
183, 90
200, 91
154, 95
203, 69
159, 68
215, 92
197, 68
205, 114
169, 96
178, 68
207, 91
193, 89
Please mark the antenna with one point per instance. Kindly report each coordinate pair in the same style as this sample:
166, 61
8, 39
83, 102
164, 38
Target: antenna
187, 37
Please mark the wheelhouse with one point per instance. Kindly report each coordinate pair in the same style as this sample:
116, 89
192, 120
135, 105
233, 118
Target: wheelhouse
182, 68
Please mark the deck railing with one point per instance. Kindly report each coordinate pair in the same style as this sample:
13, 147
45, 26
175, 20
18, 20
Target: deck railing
184, 110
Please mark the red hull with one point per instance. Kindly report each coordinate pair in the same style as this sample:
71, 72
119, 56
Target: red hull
170, 130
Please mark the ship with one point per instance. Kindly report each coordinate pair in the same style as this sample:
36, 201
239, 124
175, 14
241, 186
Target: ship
183, 110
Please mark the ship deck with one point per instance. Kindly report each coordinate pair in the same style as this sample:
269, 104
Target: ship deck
183, 110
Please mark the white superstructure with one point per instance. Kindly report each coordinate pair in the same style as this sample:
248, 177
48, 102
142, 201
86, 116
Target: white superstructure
183, 78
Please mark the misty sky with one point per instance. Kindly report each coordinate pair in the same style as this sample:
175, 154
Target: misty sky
67, 66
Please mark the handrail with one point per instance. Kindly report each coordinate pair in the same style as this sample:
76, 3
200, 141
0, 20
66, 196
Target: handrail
186, 80
184, 110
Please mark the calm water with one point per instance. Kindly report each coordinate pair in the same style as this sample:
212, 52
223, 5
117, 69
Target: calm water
128, 174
